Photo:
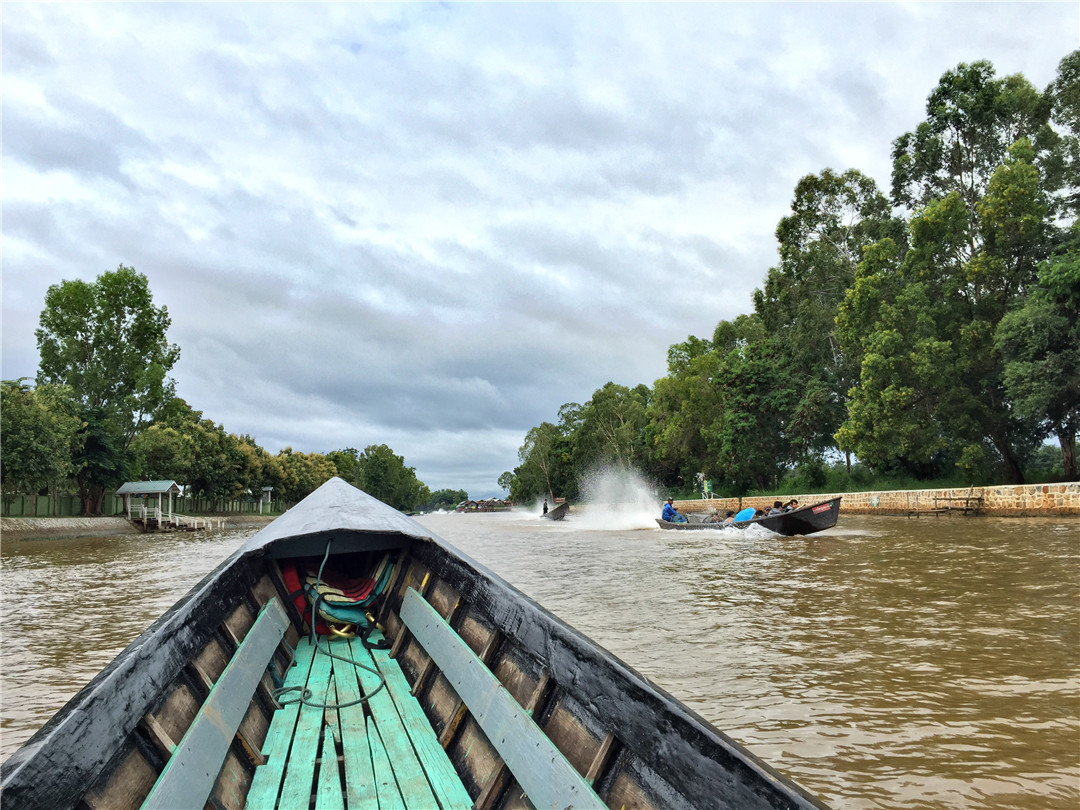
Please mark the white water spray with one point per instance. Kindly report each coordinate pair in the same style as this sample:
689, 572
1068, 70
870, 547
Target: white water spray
617, 499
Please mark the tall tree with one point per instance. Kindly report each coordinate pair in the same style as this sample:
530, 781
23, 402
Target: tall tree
611, 430
1040, 343
385, 476
972, 118
834, 218
41, 433
107, 341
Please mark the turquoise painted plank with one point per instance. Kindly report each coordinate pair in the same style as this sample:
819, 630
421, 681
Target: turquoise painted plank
359, 777
267, 780
386, 786
300, 770
445, 782
408, 771
546, 776
328, 795
189, 775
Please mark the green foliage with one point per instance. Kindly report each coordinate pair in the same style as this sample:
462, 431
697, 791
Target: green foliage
1040, 343
40, 437
385, 476
106, 341
972, 118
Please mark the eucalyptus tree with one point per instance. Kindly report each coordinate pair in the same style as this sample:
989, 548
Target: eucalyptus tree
612, 429
107, 341
834, 218
972, 118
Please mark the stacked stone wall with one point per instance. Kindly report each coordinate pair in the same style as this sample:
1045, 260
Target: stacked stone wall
1025, 500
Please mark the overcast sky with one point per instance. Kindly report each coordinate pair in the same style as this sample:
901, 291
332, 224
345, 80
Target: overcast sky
430, 225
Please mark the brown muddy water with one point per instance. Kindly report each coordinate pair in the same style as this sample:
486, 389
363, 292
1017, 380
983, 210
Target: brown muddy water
886, 663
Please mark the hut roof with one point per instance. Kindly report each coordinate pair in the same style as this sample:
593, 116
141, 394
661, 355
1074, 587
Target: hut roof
148, 488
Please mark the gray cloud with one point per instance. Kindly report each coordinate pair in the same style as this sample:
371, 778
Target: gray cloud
430, 225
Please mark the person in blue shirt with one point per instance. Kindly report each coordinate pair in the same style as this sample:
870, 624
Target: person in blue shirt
671, 514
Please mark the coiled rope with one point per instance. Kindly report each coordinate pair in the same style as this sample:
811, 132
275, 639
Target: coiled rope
305, 694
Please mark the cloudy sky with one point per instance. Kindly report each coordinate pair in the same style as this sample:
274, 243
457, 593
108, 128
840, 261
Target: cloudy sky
430, 225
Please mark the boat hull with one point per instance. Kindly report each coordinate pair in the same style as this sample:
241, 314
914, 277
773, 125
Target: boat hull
558, 512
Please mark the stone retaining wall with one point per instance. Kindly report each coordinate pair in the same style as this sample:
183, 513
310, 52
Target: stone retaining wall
1052, 500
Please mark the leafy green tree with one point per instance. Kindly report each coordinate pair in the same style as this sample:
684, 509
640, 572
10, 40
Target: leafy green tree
303, 473
611, 428
385, 476
972, 118
1061, 164
41, 433
538, 461
106, 341
506, 480
1040, 342
347, 464
102, 463
747, 443
163, 453
834, 218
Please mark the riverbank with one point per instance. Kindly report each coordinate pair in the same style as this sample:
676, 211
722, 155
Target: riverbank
66, 528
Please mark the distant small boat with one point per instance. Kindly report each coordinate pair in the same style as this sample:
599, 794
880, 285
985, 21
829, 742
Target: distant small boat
558, 512
804, 520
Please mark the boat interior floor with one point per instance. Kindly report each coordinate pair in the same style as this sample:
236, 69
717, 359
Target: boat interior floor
359, 738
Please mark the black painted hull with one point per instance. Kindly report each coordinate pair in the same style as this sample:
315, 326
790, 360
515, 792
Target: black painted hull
805, 520
646, 749
558, 512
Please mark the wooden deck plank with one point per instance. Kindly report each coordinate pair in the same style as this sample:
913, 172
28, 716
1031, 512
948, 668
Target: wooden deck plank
546, 776
266, 783
410, 776
328, 795
300, 772
444, 780
389, 795
359, 777
189, 775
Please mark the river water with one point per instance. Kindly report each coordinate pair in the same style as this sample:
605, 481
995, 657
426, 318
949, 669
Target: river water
886, 663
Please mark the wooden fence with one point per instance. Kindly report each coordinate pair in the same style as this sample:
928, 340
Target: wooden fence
71, 506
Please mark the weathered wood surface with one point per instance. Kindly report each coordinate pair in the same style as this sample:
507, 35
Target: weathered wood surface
390, 756
190, 773
540, 768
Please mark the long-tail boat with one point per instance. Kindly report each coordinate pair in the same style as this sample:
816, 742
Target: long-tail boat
804, 520
345, 657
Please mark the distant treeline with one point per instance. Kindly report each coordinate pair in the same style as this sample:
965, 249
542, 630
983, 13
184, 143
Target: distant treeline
103, 412
933, 335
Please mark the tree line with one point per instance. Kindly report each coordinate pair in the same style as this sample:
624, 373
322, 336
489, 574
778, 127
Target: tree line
930, 335
103, 411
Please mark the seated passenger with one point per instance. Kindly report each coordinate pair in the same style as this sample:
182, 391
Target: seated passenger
671, 514
730, 518
777, 508
791, 505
